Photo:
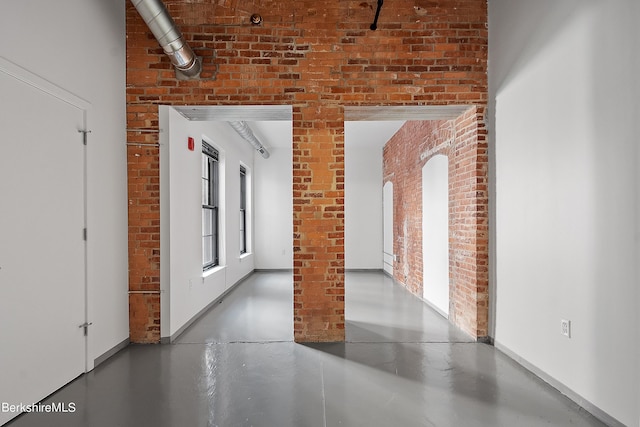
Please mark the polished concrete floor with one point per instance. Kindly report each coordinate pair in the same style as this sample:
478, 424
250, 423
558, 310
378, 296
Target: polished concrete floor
402, 365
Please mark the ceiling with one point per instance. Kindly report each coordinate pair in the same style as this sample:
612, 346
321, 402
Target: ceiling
364, 126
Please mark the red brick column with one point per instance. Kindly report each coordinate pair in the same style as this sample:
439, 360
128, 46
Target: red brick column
144, 237
318, 225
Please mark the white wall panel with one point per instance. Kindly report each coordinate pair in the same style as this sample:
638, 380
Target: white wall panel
563, 83
363, 207
273, 199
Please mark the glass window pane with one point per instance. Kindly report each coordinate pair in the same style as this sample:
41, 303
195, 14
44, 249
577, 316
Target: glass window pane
207, 221
205, 192
205, 163
243, 233
207, 252
243, 190
213, 179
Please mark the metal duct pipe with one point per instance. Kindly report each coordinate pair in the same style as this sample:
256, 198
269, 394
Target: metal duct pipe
157, 18
245, 132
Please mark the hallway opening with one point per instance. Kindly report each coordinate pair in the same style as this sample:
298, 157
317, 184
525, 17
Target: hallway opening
429, 223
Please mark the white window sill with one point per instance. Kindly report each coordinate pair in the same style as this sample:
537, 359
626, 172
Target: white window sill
245, 255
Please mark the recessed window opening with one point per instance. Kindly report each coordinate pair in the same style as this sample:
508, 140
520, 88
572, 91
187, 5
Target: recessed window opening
210, 206
243, 210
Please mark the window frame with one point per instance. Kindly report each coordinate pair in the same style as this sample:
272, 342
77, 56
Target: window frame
211, 203
244, 241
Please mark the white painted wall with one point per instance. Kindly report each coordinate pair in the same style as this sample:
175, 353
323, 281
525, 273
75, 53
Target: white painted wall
92, 67
186, 289
563, 90
273, 199
435, 232
274, 207
363, 207
636, 114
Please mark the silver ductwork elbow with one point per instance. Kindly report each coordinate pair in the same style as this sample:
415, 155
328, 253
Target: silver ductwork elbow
245, 132
155, 15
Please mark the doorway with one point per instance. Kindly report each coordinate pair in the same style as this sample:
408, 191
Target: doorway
456, 134
387, 227
43, 208
435, 232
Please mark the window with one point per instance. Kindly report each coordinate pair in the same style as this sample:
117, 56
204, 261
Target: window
210, 190
243, 210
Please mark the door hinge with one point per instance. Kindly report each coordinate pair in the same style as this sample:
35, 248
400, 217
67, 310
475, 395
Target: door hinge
84, 234
84, 135
86, 325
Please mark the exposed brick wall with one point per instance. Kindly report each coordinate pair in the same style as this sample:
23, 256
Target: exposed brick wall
144, 241
318, 57
470, 243
462, 140
402, 166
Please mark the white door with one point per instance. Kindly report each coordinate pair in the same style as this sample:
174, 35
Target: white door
42, 249
435, 232
387, 212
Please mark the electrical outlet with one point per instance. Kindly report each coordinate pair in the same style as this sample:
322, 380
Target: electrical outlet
565, 328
